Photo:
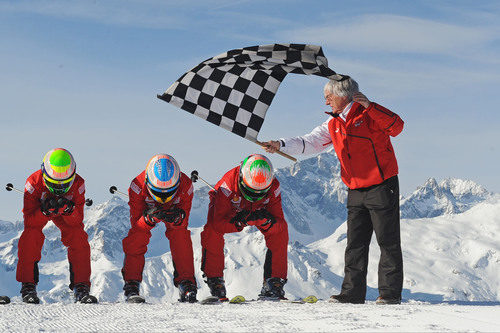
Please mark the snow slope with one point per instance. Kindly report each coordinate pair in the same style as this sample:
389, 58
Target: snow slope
255, 317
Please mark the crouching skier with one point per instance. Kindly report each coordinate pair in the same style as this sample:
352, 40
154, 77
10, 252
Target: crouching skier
55, 193
161, 193
248, 194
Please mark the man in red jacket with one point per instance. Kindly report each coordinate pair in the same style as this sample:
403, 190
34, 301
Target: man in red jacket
248, 194
360, 132
160, 194
55, 193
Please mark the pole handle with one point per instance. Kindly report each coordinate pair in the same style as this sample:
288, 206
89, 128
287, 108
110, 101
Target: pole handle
195, 177
9, 187
278, 152
113, 189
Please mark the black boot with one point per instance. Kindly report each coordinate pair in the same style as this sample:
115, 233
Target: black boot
4, 300
82, 295
131, 289
217, 287
187, 291
382, 300
272, 288
28, 293
340, 298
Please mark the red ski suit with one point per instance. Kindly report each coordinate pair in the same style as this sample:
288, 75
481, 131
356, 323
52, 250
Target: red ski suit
72, 234
224, 204
363, 145
136, 243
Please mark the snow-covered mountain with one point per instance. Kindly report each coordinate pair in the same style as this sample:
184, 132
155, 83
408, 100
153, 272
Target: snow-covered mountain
450, 196
450, 242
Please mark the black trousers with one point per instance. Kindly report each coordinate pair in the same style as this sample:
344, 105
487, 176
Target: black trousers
375, 208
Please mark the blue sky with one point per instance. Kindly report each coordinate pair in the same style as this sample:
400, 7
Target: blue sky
84, 75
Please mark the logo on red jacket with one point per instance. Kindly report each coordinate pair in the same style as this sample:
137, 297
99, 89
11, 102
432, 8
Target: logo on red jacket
236, 201
29, 188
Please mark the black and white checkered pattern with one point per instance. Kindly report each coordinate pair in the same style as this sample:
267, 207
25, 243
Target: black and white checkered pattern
234, 89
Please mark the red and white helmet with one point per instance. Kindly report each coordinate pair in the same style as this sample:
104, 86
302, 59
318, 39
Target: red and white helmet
256, 177
163, 177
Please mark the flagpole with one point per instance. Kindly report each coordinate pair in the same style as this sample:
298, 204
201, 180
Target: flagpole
278, 152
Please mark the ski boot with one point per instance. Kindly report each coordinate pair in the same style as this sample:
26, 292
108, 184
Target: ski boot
217, 288
381, 300
187, 291
272, 289
82, 295
4, 300
28, 293
132, 292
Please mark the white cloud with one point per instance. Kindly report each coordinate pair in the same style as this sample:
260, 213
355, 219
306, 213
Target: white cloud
391, 33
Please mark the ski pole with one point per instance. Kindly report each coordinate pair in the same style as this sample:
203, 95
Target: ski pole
9, 187
114, 190
195, 177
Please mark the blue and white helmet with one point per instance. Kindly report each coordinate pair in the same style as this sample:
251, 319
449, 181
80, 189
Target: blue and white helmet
163, 177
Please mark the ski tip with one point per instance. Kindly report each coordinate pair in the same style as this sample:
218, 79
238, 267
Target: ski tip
237, 299
310, 299
210, 300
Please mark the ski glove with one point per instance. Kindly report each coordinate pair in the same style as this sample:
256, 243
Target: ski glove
154, 215
174, 216
49, 207
52, 206
240, 219
262, 215
67, 206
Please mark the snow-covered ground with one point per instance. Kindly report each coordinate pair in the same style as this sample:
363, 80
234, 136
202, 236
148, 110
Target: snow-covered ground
253, 317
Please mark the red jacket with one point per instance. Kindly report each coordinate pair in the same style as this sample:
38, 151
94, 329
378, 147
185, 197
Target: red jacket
35, 190
139, 200
363, 145
228, 199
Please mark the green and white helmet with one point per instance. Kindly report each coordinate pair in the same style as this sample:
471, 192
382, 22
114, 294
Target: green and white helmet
59, 170
256, 177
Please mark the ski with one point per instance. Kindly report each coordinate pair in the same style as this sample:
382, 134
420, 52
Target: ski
135, 299
309, 299
213, 300
237, 300
241, 300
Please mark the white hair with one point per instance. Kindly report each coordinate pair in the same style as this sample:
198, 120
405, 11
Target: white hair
344, 88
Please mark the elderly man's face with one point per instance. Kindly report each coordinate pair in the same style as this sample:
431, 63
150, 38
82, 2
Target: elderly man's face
337, 103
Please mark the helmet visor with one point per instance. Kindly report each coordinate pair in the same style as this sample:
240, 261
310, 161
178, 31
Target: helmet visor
252, 195
58, 187
162, 197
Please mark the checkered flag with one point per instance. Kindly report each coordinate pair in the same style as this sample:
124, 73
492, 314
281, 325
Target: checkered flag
234, 89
